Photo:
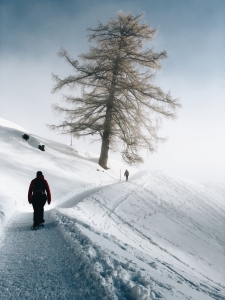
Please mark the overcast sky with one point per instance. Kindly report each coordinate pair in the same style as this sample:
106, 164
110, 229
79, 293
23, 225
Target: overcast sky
193, 34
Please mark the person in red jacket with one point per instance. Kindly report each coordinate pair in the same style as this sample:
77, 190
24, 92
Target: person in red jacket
37, 197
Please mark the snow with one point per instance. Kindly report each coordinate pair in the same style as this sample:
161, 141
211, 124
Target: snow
6, 123
154, 237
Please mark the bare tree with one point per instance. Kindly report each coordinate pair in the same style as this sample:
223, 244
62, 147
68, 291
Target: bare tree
119, 101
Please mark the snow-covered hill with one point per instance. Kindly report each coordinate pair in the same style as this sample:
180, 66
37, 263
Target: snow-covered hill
67, 169
154, 237
166, 234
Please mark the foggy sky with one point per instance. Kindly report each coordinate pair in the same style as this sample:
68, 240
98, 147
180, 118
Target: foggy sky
193, 34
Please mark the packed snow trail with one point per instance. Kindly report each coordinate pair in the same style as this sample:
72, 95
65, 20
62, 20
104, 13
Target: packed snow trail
40, 264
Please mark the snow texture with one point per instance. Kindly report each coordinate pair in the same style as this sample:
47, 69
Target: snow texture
153, 237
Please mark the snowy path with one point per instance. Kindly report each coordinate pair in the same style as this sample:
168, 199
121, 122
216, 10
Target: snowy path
38, 264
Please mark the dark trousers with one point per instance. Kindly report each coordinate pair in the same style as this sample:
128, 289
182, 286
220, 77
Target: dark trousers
126, 177
38, 202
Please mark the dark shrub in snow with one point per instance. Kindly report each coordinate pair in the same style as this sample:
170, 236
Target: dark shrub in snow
25, 136
41, 147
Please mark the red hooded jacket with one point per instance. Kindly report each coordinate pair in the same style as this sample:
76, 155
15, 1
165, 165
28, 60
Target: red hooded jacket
31, 189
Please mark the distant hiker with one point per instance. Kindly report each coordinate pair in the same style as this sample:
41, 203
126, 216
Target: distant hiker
126, 173
37, 197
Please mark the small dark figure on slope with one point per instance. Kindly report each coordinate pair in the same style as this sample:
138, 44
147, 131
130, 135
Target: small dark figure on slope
126, 173
37, 197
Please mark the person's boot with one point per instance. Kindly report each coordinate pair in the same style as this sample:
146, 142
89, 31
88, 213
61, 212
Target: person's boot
35, 227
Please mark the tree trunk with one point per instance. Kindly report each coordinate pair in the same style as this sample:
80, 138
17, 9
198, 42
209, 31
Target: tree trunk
107, 124
106, 136
103, 160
